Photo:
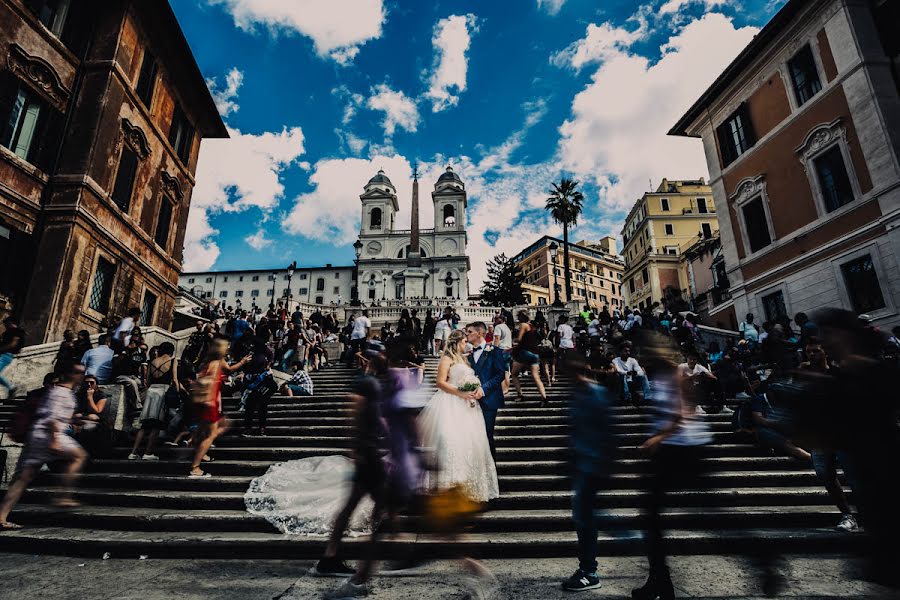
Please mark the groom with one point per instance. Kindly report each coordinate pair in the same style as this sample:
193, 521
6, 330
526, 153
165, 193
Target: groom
490, 367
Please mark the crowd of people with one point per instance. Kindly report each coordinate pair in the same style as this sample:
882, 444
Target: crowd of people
818, 391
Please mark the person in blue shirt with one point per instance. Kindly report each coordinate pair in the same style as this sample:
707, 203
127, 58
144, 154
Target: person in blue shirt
593, 446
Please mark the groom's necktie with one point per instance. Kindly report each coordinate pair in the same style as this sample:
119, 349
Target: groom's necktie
478, 351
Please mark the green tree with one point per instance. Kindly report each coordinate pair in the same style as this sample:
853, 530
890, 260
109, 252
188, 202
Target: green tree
565, 205
504, 283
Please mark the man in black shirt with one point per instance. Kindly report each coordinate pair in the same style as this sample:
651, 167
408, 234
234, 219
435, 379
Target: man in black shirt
11, 343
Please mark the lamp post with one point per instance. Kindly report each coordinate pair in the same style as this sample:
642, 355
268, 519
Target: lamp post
554, 251
354, 292
290, 294
584, 284
274, 280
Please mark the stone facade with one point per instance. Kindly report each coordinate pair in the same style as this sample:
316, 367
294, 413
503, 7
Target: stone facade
600, 285
659, 228
808, 194
257, 287
387, 271
103, 109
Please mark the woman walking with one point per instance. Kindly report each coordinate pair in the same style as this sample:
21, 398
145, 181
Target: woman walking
526, 356
162, 380
208, 395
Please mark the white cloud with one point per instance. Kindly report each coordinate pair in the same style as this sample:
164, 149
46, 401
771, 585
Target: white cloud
399, 109
451, 40
673, 6
233, 175
258, 240
226, 99
337, 27
600, 43
551, 7
331, 212
616, 135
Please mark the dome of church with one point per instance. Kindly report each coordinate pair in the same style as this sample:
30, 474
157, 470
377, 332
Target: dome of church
381, 178
448, 176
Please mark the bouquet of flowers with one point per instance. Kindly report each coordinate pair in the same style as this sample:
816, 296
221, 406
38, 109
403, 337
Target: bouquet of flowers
470, 384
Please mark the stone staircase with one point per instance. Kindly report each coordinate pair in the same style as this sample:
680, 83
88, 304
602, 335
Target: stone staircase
751, 499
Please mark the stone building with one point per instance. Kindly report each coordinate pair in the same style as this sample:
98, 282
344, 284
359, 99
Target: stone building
598, 284
801, 134
660, 226
397, 265
102, 110
257, 287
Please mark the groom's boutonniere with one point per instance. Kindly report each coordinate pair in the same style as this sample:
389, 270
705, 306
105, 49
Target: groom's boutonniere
488, 348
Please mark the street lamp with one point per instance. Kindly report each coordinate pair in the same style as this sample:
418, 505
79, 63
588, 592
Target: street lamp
584, 284
354, 292
274, 281
291, 268
554, 251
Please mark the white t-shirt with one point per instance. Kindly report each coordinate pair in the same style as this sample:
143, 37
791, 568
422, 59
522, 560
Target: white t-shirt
594, 328
441, 329
566, 336
751, 334
625, 366
360, 325
502, 336
125, 326
685, 371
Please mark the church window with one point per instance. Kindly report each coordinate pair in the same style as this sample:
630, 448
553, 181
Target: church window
449, 215
375, 219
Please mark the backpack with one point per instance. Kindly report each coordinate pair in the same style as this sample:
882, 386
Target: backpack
25, 417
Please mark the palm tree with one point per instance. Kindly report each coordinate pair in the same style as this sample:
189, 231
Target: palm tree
565, 204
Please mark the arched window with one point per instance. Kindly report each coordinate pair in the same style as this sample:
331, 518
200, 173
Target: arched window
404, 252
375, 219
449, 215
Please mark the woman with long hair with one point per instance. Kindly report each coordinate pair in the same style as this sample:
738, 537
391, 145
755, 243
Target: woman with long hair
453, 430
162, 380
526, 355
208, 400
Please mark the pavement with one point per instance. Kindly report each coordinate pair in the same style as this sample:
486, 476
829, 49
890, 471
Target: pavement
707, 577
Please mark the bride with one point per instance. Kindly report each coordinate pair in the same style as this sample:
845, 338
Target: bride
452, 429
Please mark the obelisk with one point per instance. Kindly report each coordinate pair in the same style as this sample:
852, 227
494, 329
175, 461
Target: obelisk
414, 259
414, 276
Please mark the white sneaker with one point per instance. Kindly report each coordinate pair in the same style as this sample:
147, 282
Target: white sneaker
848, 523
133, 456
151, 457
348, 589
726, 411
742, 396
700, 410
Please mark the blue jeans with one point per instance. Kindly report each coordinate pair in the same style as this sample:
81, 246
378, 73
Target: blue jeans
639, 380
5, 359
286, 360
586, 486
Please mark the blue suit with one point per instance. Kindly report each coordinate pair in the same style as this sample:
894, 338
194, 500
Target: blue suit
491, 371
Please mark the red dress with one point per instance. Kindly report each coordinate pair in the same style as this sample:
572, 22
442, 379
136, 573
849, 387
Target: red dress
211, 412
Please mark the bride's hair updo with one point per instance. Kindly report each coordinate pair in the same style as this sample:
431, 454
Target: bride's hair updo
452, 347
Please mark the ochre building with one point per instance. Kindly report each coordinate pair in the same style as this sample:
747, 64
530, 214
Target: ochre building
801, 134
102, 110
659, 228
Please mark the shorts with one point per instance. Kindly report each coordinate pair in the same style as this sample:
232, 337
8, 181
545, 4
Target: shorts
527, 358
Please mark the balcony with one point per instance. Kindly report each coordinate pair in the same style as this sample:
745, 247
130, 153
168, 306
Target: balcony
720, 295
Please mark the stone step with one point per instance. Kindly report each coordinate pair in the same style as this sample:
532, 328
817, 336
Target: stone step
525, 467
159, 519
199, 544
508, 483
515, 500
282, 428
559, 452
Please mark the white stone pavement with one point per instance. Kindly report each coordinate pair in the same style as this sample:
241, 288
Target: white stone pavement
706, 577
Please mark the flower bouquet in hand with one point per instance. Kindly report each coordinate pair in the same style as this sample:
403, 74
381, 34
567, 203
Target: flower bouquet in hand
470, 384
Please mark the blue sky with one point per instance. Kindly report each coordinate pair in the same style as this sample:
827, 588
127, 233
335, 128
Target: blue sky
320, 94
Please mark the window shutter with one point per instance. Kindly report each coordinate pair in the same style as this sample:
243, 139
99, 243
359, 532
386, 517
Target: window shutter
747, 123
726, 144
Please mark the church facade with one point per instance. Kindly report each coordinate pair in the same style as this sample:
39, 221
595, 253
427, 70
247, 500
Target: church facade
415, 263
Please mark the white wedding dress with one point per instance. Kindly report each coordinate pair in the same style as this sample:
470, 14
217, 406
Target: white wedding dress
303, 497
453, 432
